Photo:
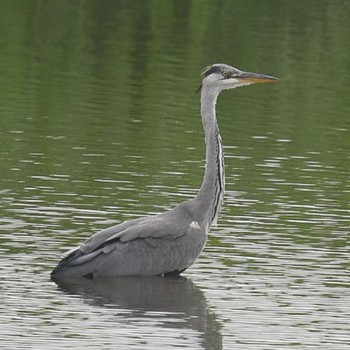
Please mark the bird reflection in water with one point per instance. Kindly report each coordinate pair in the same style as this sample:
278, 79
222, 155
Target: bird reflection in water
180, 301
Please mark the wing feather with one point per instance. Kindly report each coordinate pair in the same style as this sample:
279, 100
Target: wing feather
102, 236
148, 236
164, 226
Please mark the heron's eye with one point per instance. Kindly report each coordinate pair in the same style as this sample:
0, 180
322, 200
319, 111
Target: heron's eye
225, 74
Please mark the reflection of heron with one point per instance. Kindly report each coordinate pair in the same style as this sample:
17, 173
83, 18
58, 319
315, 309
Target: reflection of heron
170, 242
171, 306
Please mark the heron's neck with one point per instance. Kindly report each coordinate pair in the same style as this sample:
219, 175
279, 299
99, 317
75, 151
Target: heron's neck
211, 193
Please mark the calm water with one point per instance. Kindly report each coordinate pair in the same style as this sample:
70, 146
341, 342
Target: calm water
99, 123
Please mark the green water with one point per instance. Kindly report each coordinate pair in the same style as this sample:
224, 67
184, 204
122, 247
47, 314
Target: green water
99, 123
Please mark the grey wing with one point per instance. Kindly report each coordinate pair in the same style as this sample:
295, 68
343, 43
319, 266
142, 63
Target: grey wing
90, 248
102, 236
135, 244
160, 226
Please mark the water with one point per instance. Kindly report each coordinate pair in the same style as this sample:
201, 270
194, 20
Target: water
99, 123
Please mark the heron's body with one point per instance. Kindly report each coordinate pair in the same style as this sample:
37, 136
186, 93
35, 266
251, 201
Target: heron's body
170, 242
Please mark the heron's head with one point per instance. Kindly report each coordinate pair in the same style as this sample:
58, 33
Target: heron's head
220, 77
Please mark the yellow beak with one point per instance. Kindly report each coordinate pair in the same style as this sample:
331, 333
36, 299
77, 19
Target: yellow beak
247, 77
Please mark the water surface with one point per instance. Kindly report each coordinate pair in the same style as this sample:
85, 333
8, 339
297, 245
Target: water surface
99, 123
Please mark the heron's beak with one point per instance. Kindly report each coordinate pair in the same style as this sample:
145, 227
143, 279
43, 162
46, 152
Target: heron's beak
246, 77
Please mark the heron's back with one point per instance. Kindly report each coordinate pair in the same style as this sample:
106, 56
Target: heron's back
139, 257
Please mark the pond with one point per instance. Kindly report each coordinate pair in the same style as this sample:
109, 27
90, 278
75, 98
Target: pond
100, 123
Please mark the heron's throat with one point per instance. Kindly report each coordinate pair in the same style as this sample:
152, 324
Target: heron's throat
211, 193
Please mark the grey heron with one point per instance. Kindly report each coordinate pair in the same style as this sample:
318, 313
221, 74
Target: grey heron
170, 242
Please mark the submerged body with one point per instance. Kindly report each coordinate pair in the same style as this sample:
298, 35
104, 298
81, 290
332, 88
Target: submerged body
168, 243
123, 250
